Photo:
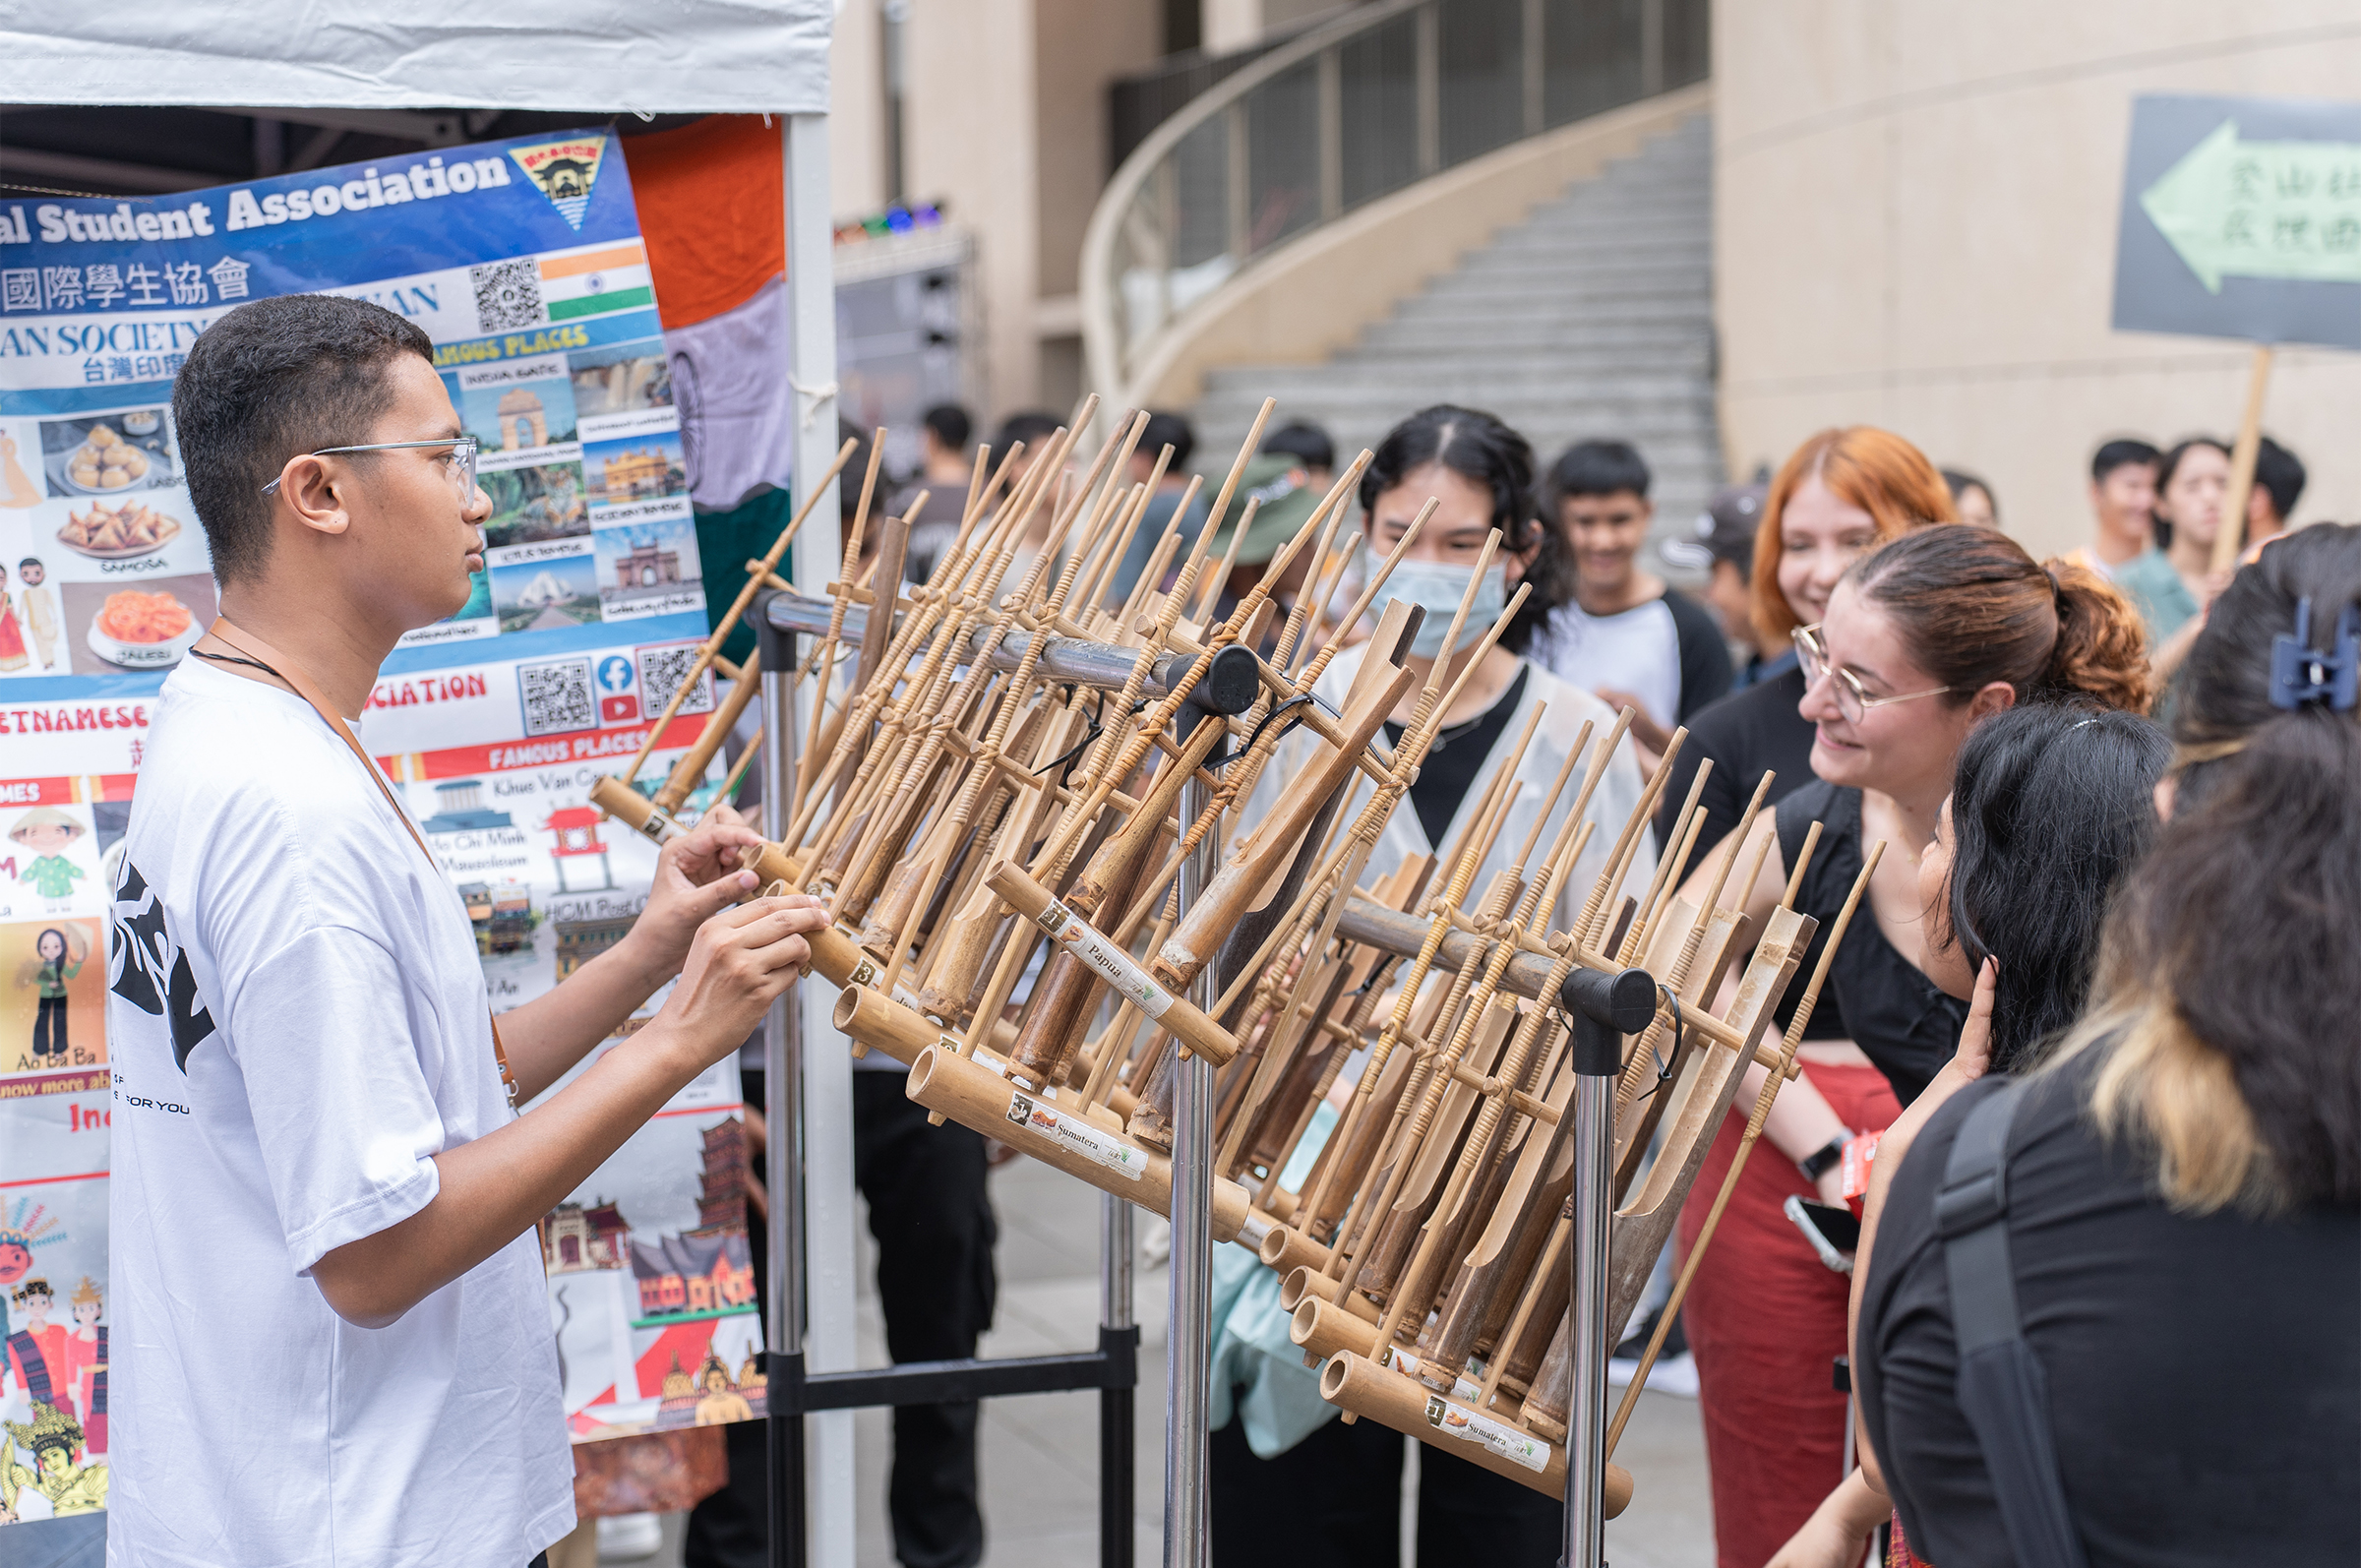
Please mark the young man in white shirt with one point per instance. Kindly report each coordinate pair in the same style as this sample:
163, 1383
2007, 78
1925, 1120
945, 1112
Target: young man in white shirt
308, 1087
1624, 633
2123, 505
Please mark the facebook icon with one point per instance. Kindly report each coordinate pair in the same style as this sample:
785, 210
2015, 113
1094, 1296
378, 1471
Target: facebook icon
618, 704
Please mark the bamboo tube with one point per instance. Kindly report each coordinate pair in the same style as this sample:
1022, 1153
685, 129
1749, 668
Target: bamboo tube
1361, 1387
1111, 964
824, 658
690, 770
972, 1095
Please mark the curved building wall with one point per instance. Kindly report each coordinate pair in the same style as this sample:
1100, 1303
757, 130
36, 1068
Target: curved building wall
1915, 206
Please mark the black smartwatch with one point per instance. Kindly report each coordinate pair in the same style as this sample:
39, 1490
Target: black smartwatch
1816, 1164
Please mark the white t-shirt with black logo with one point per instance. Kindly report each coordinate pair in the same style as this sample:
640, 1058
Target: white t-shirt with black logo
1668, 652
297, 1026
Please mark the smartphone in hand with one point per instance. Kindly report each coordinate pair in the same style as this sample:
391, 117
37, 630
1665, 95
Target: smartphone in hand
1833, 1233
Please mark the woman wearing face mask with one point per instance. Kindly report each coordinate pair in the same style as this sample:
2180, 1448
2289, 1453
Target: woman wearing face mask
1291, 1485
1923, 638
2048, 812
1840, 493
2183, 1175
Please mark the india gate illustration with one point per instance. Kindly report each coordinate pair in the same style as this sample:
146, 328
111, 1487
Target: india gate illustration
522, 421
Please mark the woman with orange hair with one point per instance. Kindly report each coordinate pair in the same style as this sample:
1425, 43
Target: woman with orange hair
1838, 496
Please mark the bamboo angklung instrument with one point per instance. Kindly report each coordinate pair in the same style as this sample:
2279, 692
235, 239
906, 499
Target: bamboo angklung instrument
999, 774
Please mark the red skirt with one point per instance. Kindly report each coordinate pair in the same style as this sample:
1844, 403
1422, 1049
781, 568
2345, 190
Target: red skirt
1765, 1320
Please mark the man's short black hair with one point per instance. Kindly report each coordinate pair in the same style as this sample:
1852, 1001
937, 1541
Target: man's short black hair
2121, 453
1304, 441
1168, 430
270, 380
1031, 427
1598, 468
951, 425
2280, 473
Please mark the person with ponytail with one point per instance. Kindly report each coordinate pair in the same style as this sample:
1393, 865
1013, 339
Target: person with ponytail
2049, 810
2183, 1176
1924, 639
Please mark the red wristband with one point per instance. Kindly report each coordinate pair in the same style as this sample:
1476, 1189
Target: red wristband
1861, 1158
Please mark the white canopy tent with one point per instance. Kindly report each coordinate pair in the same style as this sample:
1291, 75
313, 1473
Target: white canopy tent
596, 57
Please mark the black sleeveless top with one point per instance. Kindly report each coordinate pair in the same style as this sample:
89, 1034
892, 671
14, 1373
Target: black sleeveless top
1881, 1000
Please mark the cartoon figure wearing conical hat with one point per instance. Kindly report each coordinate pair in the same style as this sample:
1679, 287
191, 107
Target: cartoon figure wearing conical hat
54, 1440
47, 831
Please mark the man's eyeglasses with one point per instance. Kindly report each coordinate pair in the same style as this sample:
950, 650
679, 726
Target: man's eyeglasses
1852, 698
460, 469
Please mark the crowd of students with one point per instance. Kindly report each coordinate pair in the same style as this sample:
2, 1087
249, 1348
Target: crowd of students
1912, 676
2084, 1066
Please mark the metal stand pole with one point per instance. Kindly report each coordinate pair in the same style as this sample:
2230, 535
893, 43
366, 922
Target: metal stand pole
1187, 1343
783, 1077
1117, 1336
1603, 1009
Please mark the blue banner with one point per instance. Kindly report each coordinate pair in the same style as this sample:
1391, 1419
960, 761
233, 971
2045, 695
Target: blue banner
522, 261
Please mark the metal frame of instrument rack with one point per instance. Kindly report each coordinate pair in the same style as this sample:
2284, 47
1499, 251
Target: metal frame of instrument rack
778, 618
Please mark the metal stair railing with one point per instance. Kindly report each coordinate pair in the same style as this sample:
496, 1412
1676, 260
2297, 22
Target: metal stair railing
1356, 108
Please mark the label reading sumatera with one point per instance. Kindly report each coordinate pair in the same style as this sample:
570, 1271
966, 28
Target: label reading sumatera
1093, 1143
1498, 1436
1108, 961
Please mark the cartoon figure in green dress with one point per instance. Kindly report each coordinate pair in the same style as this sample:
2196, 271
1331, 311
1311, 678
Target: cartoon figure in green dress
46, 831
58, 956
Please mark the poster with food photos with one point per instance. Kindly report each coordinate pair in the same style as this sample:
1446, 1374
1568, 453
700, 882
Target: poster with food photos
521, 261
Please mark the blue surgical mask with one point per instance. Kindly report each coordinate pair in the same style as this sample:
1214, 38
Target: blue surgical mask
1439, 587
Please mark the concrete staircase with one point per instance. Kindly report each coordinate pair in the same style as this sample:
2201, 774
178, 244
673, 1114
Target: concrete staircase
1592, 318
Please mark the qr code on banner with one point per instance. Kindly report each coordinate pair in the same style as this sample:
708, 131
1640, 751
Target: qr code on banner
557, 697
508, 295
661, 671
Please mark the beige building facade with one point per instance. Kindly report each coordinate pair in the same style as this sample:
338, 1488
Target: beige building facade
1003, 116
1916, 214
1916, 218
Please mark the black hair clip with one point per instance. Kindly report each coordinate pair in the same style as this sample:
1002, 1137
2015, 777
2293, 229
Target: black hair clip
2301, 673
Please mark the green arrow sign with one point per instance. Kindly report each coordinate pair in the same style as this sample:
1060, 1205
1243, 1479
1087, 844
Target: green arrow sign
2287, 210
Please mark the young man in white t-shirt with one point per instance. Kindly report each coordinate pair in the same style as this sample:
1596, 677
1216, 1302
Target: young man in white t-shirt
309, 1109
1625, 633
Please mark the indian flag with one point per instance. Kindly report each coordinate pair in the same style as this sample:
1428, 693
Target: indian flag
595, 281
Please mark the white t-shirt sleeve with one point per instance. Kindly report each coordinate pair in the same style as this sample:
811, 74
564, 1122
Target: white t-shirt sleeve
348, 1124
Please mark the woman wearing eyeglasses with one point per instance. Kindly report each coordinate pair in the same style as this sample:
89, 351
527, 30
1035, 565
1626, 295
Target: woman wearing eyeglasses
1840, 495
1923, 638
